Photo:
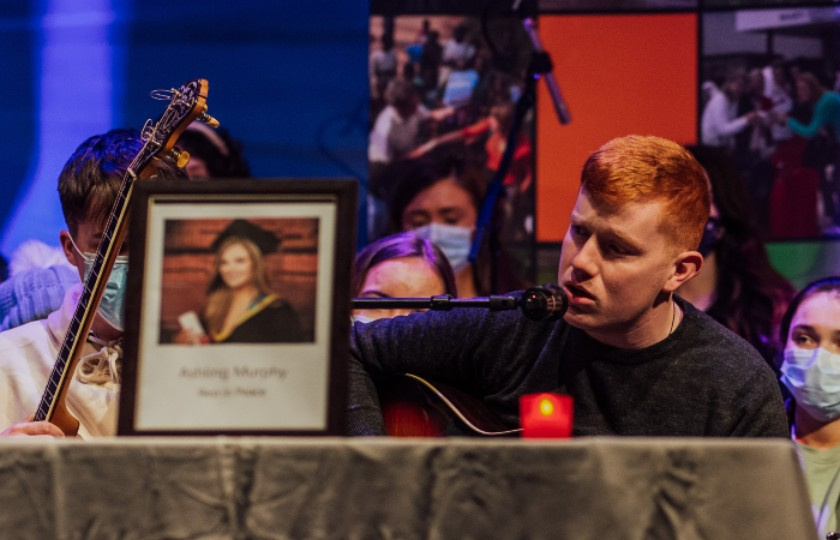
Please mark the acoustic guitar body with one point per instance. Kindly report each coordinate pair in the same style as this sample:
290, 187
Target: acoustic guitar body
416, 407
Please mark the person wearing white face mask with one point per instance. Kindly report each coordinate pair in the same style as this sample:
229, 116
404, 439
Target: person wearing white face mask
438, 198
811, 372
87, 187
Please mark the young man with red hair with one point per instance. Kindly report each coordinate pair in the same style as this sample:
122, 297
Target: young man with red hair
637, 359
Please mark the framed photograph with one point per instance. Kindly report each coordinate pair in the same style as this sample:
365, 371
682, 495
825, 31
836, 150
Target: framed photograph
238, 307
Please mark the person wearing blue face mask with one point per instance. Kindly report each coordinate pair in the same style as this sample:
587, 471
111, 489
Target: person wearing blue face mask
811, 372
87, 186
112, 304
438, 198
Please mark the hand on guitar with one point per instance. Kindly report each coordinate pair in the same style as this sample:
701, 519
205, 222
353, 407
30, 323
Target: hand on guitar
32, 428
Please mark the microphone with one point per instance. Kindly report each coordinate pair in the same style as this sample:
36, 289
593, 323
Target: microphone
546, 303
554, 90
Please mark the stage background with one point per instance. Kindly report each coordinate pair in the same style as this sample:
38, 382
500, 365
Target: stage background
290, 81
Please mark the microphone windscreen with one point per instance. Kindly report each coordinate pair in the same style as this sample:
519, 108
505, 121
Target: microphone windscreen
548, 302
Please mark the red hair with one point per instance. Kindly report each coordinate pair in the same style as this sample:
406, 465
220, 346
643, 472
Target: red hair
642, 169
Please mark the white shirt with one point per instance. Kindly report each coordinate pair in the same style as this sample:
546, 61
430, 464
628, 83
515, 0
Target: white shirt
719, 123
27, 355
782, 103
454, 51
393, 136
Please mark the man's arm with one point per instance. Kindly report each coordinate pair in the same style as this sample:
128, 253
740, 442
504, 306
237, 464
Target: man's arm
476, 351
437, 345
821, 116
762, 408
364, 415
441, 345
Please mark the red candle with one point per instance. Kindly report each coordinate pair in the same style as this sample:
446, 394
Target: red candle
546, 415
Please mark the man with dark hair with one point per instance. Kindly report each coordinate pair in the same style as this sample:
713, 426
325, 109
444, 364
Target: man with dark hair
88, 186
637, 359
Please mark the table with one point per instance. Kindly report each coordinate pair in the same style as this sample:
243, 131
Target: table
226, 487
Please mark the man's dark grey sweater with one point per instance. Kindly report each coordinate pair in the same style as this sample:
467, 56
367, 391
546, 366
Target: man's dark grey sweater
702, 380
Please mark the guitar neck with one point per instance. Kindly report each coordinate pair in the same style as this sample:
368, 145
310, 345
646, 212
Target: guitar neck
83, 316
187, 103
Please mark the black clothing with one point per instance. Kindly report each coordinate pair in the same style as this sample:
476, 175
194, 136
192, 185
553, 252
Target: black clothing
702, 380
275, 323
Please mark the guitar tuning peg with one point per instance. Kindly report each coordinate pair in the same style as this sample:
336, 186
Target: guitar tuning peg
209, 120
181, 157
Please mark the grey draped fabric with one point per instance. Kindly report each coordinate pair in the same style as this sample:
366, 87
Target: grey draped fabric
599, 488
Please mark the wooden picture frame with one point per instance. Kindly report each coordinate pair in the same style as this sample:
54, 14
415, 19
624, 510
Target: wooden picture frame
201, 360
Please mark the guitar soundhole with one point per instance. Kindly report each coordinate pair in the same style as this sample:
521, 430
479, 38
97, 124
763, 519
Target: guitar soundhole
410, 411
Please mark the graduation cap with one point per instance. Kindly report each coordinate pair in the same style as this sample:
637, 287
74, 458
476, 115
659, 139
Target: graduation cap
240, 228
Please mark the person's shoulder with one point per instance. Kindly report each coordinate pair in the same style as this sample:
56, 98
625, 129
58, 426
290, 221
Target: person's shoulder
279, 308
34, 334
385, 116
832, 98
718, 344
275, 302
33, 294
700, 322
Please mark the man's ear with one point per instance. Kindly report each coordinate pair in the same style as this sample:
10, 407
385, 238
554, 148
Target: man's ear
66, 242
686, 265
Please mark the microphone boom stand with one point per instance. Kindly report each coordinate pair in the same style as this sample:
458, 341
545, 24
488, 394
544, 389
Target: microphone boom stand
548, 302
443, 302
540, 64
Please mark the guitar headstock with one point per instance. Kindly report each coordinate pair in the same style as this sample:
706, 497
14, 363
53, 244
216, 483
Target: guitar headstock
186, 104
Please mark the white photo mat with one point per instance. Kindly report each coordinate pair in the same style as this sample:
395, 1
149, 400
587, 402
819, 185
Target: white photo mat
236, 386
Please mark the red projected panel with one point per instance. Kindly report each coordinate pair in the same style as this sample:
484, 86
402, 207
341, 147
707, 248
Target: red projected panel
620, 74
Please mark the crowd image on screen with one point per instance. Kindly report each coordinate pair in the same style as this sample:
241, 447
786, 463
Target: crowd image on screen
780, 121
434, 81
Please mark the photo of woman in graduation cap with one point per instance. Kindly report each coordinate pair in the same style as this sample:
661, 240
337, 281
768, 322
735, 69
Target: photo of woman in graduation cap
241, 307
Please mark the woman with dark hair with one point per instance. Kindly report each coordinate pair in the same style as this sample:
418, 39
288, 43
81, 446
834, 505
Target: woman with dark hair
811, 372
738, 286
438, 197
399, 266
